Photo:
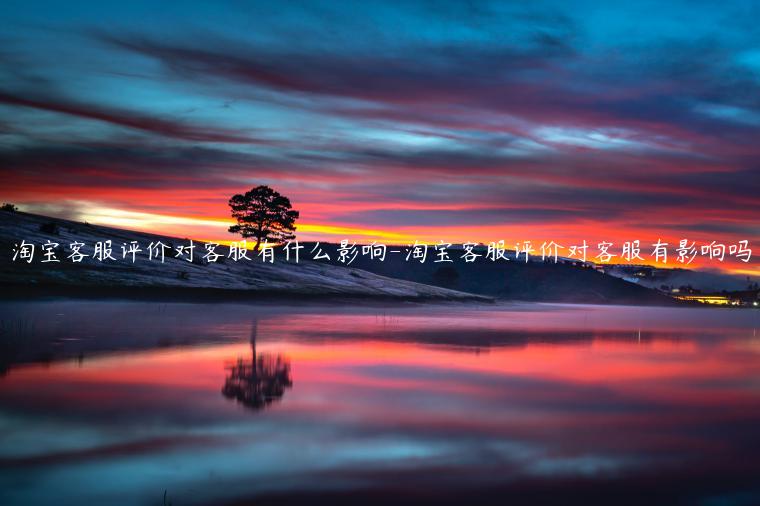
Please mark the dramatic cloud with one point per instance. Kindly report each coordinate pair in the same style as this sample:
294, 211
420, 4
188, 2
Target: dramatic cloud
127, 119
437, 121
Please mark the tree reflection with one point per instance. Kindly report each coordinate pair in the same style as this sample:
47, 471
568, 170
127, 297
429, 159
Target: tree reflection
260, 381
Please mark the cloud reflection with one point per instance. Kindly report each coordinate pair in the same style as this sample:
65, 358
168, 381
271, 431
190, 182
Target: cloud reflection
378, 414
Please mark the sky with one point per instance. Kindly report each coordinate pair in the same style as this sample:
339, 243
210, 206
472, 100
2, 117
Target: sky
390, 121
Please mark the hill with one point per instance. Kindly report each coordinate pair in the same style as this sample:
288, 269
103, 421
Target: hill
514, 279
176, 277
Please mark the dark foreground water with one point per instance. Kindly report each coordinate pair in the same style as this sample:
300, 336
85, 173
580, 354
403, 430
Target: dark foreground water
121, 403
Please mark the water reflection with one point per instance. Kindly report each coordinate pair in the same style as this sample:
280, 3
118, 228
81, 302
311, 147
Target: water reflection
260, 381
444, 405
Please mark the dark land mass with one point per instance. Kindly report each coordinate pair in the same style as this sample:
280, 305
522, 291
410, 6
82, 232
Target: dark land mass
535, 280
395, 278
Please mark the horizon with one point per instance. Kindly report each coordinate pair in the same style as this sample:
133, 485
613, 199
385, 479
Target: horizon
510, 251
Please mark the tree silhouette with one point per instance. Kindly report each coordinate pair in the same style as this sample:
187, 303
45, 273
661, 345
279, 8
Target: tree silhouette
257, 383
264, 214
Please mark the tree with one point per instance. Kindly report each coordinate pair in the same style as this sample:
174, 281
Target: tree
264, 214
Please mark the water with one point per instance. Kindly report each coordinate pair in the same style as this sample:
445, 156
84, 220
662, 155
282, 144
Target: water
121, 402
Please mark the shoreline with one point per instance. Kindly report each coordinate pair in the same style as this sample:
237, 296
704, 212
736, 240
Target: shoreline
26, 292
213, 295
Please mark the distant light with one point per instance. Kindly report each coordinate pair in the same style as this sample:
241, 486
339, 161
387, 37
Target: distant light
755, 303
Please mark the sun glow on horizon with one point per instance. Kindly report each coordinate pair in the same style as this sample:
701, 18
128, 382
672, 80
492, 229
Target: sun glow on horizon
214, 229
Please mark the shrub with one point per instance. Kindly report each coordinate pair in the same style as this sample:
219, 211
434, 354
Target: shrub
49, 228
446, 277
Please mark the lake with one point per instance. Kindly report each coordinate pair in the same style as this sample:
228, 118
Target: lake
111, 402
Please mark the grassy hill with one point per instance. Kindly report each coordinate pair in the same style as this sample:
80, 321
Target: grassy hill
178, 278
514, 280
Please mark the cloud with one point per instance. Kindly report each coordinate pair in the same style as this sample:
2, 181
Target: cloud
488, 87
128, 119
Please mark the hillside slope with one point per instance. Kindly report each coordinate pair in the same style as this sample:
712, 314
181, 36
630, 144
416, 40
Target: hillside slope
307, 278
515, 280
